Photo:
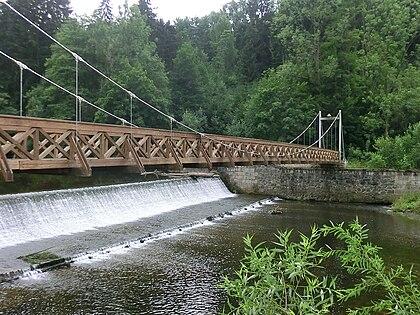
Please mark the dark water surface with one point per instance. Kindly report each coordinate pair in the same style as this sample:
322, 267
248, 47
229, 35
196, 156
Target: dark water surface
179, 273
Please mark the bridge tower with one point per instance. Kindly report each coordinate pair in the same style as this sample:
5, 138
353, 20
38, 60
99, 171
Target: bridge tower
338, 132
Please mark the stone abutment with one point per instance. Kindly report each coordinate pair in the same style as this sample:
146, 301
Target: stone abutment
321, 183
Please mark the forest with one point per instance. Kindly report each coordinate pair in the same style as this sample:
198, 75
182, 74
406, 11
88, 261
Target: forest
256, 68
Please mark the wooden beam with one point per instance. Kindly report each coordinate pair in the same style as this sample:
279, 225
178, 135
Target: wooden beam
205, 154
134, 154
260, 151
230, 157
6, 171
84, 165
248, 156
174, 155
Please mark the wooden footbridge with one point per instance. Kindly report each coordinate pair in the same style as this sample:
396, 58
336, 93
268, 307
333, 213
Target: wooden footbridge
37, 144
33, 144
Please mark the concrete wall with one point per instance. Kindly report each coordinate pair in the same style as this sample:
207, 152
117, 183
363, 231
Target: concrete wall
321, 183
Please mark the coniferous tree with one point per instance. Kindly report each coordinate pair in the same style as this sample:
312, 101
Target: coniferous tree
105, 11
163, 34
146, 9
251, 21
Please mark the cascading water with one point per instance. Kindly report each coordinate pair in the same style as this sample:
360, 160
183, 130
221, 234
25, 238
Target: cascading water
34, 216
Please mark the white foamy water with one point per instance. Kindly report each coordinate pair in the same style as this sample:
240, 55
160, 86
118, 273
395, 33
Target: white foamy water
121, 249
34, 216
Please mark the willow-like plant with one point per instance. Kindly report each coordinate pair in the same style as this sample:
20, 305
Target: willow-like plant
292, 277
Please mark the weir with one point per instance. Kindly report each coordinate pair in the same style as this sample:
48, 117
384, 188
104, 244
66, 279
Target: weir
34, 216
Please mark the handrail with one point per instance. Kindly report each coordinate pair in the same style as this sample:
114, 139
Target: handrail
29, 143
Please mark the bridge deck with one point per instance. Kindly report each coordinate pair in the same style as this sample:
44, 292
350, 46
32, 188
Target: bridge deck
29, 144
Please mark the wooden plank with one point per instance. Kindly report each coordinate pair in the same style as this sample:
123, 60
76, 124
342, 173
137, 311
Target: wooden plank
262, 154
84, 165
174, 154
115, 146
14, 144
136, 157
205, 155
229, 156
53, 144
28, 165
5, 169
89, 144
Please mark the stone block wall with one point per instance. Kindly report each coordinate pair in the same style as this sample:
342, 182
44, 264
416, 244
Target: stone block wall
321, 183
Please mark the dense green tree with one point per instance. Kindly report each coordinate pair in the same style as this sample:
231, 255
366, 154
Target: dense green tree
401, 152
23, 42
189, 78
5, 105
163, 34
222, 40
146, 9
355, 55
260, 68
387, 34
121, 49
45, 100
281, 106
250, 21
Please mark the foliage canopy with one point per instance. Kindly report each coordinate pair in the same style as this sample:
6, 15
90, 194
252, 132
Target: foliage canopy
259, 68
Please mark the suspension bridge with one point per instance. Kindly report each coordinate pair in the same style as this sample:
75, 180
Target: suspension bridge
29, 144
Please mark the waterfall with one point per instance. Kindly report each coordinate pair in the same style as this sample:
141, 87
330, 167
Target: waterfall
34, 216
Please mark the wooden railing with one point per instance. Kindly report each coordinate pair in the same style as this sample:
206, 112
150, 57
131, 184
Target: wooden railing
29, 144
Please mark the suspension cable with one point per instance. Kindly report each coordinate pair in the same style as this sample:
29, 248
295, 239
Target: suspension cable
78, 58
80, 99
303, 132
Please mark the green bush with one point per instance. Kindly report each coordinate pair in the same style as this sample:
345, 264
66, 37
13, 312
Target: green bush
293, 278
402, 152
409, 202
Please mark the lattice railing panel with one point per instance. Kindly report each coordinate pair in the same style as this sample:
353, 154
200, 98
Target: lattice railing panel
33, 143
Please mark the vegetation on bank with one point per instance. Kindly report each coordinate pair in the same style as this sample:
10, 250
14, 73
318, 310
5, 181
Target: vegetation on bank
400, 152
39, 257
409, 202
297, 277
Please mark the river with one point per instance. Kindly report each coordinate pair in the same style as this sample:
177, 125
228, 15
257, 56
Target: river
177, 257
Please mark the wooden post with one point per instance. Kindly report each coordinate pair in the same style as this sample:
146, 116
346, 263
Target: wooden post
84, 165
136, 157
230, 157
36, 143
251, 162
262, 155
205, 154
175, 155
6, 171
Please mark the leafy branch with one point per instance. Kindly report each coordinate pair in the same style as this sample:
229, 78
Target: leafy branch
291, 277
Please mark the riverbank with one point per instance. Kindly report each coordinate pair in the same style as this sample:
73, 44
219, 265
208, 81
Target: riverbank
409, 202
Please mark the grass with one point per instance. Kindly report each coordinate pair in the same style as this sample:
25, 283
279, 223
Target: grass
409, 202
39, 257
356, 164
